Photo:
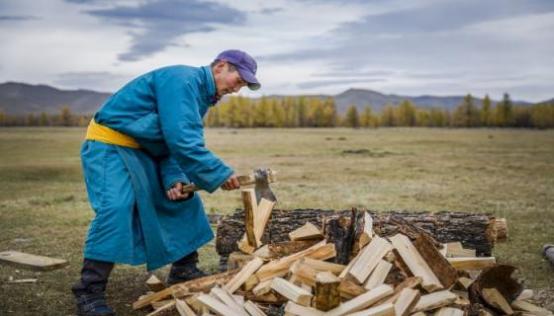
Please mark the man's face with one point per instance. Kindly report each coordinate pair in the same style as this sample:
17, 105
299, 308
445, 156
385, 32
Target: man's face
226, 80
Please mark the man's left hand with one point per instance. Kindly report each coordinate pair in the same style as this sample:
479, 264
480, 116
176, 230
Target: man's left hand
176, 192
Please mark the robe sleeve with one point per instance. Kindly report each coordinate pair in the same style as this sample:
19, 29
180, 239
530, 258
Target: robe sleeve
171, 173
183, 130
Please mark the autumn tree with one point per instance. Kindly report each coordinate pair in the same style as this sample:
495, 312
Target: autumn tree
504, 112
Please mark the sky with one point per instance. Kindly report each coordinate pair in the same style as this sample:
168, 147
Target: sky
418, 47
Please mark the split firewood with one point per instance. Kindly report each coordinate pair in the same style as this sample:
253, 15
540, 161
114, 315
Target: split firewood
525, 295
248, 270
291, 291
262, 288
449, 311
228, 300
321, 265
183, 308
379, 274
406, 301
494, 298
29, 261
525, 306
362, 301
416, 263
238, 259
303, 273
160, 304
298, 310
203, 284
250, 207
444, 271
349, 289
409, 283
369, 258
472, 263
283, 249
308, 231
434, 300
261, 217
465, 283
326, 293
253, 309
367, 231
379, 310
154, 284
217, 306
163, 309
456, 250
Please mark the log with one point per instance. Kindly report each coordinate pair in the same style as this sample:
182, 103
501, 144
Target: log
474, 231
327, 294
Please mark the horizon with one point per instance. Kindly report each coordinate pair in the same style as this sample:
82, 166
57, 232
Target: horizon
425, 47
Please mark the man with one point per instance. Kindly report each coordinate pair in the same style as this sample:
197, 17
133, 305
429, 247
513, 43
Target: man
144, 143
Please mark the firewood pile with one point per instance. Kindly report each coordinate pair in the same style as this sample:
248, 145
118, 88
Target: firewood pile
408, 273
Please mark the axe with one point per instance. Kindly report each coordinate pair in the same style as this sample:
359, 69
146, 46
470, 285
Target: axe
261, 178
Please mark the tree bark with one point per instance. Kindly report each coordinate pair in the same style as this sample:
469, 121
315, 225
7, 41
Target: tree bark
476, 231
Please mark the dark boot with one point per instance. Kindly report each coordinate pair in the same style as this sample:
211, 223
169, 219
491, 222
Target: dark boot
185, 269
90, 290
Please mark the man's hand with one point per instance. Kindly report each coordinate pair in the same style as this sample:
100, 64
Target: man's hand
231, 184
176, 192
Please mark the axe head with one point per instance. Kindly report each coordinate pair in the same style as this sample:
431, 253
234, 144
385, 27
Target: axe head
262, 176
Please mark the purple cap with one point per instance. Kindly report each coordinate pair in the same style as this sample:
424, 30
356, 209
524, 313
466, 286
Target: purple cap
246, 66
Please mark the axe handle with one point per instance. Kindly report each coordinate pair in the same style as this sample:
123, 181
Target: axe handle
243, 180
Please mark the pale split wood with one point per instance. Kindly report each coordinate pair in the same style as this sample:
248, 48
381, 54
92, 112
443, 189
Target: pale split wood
449, 311
245, 246
154, 284
307, 231
250, 205
348, 288
291, 308
291, 291
321, 265
456, 250
261, 217
386, 309
303, 272
250, 283
238, 259
253, 309
476, 263
408, 283
369, 258
525, 294
326, 293
217, 306
345, 271
249, 269
442, 269
406, 301
163, 309
434, 300
377, 277
29, 261
238, 298
415, 262
262, 288
465, 282
228, 300
158, 304
183, 308
496, 299
525, 306
362, 301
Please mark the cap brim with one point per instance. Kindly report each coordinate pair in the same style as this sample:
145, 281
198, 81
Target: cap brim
250, 78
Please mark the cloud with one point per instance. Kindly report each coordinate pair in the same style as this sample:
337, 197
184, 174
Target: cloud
4, 18
100, 80
326, 83
161, 22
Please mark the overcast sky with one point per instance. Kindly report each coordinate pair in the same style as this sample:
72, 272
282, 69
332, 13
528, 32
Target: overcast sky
439, 47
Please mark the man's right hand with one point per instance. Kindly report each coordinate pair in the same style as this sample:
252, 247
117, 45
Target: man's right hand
231, 184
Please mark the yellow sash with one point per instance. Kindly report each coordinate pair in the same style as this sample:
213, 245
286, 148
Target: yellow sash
107, 135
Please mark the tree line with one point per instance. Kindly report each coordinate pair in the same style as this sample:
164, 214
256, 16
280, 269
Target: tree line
242, 112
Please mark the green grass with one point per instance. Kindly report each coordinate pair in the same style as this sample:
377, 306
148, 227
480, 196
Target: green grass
509, 173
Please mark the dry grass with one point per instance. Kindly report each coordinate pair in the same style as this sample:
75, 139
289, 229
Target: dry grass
43, 206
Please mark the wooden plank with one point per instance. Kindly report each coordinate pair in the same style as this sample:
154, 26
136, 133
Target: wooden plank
262, 288
203, 284
32, 262
248, 270
295, 309
442, 269
291, 291
262, 215
456, 250
369, 258
386, 309
434, 300
228, 300
217, 306
283, 249
307, 231
250, 205
326, 294
496, 299
253, 309
378, 275
303, 273
321, 265
415, 262
183, 308
344, 272
363, 301
154, 284
281, 266
476, 263
449, 311
406, 301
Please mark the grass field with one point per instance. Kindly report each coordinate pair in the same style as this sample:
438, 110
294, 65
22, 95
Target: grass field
509, 173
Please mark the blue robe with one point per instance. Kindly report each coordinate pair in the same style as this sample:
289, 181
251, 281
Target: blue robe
135, 222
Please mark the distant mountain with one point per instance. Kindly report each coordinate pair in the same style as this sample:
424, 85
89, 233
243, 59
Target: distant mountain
21, 98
